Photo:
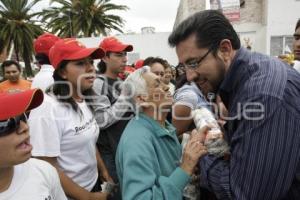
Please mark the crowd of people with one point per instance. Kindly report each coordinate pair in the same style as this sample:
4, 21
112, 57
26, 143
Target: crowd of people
112, 131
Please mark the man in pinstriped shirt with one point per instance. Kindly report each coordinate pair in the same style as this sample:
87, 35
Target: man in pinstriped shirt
262, 96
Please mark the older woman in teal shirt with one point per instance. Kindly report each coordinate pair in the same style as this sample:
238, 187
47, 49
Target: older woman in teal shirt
148, 155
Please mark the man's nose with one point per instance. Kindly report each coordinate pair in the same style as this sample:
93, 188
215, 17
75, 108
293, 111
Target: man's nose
297, 43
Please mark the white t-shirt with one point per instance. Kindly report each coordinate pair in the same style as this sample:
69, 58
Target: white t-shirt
171, 88
58, 131
191, 96
34, 180
43, 79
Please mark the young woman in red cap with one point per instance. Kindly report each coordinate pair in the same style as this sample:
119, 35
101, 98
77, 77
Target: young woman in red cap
66, 120
22, 177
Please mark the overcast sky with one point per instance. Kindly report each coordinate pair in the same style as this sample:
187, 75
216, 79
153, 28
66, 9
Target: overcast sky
160, 14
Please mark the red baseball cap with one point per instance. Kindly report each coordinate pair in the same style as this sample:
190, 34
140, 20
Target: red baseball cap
44, 42
72, 49
114, 45
139, 63
14, 104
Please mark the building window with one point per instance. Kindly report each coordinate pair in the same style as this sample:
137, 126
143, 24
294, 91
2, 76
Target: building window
281, 45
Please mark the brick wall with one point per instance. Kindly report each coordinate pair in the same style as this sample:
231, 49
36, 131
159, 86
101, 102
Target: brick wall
187, 8
254, 11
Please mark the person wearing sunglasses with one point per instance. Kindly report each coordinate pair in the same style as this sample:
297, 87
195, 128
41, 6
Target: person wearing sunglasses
22, 177
66, 120
261, 95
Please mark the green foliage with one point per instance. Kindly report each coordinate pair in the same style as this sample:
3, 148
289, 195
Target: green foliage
82, 18
72, 18
18, 27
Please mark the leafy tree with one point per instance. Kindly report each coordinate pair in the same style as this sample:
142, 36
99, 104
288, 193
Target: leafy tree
82, 18
18, 27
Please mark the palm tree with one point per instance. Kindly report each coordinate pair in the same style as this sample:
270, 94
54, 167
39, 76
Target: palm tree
19, 28
82, 18
2, 46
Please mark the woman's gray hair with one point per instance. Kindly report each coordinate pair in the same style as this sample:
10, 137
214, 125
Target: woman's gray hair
135, 84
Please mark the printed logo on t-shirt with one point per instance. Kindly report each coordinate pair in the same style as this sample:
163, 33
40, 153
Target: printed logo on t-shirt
85, 127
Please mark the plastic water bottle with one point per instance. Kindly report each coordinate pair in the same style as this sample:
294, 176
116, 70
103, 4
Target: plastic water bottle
214, 141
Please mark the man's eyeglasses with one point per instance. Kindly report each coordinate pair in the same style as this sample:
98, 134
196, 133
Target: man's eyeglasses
193, 64
12, 124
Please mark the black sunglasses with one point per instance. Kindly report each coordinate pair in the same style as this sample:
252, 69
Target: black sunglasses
12, 124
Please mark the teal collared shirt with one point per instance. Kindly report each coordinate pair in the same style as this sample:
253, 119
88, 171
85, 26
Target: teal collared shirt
148, 159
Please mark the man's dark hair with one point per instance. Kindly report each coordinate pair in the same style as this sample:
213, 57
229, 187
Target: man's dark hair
8, 63
42, 59
297, 25
151, 60
210, 27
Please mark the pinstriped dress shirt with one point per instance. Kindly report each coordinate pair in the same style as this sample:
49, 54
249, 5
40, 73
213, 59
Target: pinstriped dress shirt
262, 95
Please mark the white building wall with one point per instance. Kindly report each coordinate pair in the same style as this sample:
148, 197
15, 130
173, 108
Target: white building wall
144, 45
282, 18
255, 33
252, 25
